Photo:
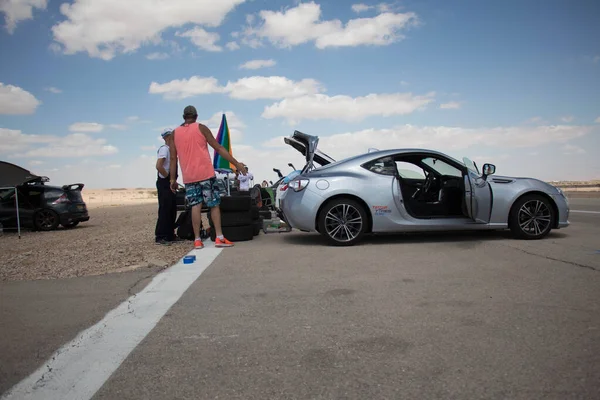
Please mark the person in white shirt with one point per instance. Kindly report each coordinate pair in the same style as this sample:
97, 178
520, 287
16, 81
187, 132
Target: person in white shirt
164, 232
244, 180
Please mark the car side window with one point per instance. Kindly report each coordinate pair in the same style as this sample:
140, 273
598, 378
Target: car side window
382, 166
442, 167
409, 171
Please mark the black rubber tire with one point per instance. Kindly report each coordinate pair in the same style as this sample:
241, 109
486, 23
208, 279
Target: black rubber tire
265, 214
236, 218
49, 225
334, 203
235, 203
513, 219
254, 212
239, 233
258, 225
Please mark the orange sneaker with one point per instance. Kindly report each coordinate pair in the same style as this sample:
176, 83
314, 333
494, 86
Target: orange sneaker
198, 244
223, 243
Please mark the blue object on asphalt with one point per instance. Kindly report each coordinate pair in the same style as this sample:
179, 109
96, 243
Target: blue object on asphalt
189, 259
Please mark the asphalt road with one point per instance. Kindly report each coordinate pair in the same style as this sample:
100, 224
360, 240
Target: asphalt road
412, 316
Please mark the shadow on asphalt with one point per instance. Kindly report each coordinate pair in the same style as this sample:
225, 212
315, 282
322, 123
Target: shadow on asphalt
466, 237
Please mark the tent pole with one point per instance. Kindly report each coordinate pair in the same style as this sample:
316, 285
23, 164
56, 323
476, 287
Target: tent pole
18, 216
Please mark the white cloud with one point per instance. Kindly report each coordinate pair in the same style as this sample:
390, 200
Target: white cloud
359, 8
73, 145
303, 24
570, 149
53, 90
250, 88
452, 105
86, 127
597, 120
234, 123
179, 89
17, 144
16, 11
202, 39
16, 101
119, 127
271, 87
157, 56
257, 64
106, 28
232, 46
568, 118
148, 148
346, 108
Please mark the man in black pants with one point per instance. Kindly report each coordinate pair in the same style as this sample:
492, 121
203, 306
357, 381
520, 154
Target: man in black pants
167, 203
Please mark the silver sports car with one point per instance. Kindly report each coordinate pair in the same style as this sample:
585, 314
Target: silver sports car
409, 190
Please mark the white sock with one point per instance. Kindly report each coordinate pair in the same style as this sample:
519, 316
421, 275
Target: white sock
198, 238
221, 237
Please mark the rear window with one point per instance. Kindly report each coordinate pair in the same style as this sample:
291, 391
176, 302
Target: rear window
52, 194
75, 196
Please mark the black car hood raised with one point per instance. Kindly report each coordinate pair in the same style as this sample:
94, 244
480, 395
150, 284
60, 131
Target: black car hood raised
12, 175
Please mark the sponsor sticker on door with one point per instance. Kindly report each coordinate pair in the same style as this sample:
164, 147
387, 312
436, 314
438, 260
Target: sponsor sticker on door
381, 210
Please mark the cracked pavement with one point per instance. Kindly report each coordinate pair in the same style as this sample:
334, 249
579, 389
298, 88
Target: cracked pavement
460, 315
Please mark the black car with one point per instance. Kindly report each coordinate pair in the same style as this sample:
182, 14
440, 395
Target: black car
43, 207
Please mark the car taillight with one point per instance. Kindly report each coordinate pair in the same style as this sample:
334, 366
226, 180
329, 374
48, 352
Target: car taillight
62, 199
284, 188
299, 184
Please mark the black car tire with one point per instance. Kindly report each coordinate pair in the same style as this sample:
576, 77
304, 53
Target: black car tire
356, 211
236, 218
255, 213
518, 216
70, 225
258, 225
235, 203
236, 233
46, 220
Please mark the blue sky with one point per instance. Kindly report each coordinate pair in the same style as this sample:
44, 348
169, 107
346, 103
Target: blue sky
88, 85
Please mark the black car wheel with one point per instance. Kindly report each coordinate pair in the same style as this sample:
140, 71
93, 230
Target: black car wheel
531, 217
46, 220
343, 222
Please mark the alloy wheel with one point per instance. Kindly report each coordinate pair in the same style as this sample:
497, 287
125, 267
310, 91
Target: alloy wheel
535, 217
46, 219
343, 222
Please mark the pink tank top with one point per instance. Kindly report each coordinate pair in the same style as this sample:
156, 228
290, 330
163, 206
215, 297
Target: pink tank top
192, 151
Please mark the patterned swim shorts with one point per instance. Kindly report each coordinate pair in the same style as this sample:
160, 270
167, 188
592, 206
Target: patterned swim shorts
207, 192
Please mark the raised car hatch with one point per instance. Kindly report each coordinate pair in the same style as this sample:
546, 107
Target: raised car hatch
307, 146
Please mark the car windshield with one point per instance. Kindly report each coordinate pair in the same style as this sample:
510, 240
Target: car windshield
471, 165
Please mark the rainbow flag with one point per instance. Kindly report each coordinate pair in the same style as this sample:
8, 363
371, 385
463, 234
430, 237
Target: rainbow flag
224, 140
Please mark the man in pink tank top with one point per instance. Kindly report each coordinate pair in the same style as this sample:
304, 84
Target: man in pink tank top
190, 144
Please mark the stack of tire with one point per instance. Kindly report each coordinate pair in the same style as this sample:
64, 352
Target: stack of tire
239, 219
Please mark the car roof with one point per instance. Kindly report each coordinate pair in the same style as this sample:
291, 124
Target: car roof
365, 157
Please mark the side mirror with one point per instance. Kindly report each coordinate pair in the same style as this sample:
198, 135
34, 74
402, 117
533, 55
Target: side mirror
489, 169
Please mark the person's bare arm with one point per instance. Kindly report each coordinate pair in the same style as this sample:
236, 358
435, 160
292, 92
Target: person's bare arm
220, 149
160, 167
173, 163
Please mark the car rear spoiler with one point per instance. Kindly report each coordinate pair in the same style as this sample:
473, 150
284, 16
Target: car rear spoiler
78, 186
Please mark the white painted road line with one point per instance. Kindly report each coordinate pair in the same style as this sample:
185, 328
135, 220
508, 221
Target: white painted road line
585, 212
80, 368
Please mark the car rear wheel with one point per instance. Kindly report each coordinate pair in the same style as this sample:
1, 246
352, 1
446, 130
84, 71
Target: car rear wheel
343, 222
46, 220
532, 217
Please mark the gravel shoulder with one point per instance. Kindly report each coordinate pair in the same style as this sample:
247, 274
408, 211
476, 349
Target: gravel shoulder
115, 239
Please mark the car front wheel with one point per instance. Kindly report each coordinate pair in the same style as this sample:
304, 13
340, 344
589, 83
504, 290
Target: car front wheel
532, 217
343, 222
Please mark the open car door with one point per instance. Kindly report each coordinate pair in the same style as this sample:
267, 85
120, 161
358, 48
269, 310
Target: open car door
478, 195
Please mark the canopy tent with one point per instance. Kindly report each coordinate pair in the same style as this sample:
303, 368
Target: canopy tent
12, 176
